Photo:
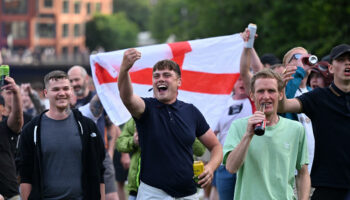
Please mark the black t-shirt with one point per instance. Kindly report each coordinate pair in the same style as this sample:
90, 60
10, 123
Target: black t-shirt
8, 181
330, 115
166, 135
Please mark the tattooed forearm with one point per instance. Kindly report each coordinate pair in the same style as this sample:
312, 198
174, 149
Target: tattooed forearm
96, 106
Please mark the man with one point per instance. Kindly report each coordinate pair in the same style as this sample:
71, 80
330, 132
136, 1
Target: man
9, 129
331, 167
167, 129
265, 165
80, 81
61, 151
7, 95
31, 100
295, 87
128, 142
240, 106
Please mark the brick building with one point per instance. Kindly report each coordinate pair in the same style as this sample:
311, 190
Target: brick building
48, 24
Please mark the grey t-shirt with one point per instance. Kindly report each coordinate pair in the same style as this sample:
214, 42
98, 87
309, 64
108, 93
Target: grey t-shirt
62, 158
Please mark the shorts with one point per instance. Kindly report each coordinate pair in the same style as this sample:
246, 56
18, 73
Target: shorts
121, 174
108, 176
148, 192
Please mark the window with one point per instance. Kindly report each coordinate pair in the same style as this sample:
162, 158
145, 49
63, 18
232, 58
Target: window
51, 16
88, 8
98, 7
65, 30
65, 52
48, 3
65, 8
14, 6
17, 29
77, 7
44, 30
76, 51
76, 30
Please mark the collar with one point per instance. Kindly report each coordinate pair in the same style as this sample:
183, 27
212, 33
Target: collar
338, 92
175, 105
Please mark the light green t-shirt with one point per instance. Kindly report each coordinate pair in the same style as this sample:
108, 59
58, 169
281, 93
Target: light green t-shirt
269, 168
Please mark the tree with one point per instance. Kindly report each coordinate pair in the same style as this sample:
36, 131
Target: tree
111, 32
137, 11
315, 25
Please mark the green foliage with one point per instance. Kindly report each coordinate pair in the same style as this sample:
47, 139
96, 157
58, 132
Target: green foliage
111, 32
168, 17
137, 11
282, 24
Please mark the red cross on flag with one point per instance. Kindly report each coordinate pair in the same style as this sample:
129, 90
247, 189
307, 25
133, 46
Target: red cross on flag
209, 68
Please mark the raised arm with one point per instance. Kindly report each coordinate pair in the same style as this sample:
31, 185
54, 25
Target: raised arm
34, 97
132, 102
256, 63
289, 105
15, 119
249, 58
245, 73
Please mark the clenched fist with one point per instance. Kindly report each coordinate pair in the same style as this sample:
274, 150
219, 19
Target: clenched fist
129, 58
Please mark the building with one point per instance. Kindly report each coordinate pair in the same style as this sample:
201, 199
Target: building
50, 26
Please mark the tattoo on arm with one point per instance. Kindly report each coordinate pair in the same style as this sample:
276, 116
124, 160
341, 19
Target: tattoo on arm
96, 106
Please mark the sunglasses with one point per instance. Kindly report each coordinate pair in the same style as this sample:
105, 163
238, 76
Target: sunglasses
322, 67
295, 56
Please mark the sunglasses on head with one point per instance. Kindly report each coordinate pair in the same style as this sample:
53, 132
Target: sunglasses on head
295, 56
322, 67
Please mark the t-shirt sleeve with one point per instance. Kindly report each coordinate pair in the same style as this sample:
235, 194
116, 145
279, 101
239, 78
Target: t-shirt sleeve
309, 101
302, 157
233, 138
202, 126
146, 111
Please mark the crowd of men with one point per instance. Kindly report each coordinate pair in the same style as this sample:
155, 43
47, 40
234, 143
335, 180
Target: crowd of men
66, 149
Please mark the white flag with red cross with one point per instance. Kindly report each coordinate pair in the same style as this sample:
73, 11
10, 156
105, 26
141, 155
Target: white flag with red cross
209, 69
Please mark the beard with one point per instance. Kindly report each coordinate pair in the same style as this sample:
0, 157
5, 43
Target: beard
80, 92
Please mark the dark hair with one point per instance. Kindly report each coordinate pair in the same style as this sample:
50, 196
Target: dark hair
273, 67
269, 59
267, 73
167, 64
54, 75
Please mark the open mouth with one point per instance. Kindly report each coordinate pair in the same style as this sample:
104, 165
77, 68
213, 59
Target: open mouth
77, 88
314, 86
162, 88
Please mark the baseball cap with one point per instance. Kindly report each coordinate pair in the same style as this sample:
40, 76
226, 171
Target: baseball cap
339, 50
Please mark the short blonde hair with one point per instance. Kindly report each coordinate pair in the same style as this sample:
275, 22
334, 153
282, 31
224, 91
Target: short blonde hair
289, 53
267, 73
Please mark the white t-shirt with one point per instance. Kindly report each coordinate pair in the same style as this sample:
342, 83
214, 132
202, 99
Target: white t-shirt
235, 109
306, 122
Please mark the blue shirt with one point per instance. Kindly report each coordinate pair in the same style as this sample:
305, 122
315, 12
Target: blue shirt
330, 115
166, 134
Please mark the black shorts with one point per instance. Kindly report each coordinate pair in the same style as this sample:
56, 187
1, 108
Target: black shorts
326, 193
121, 174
